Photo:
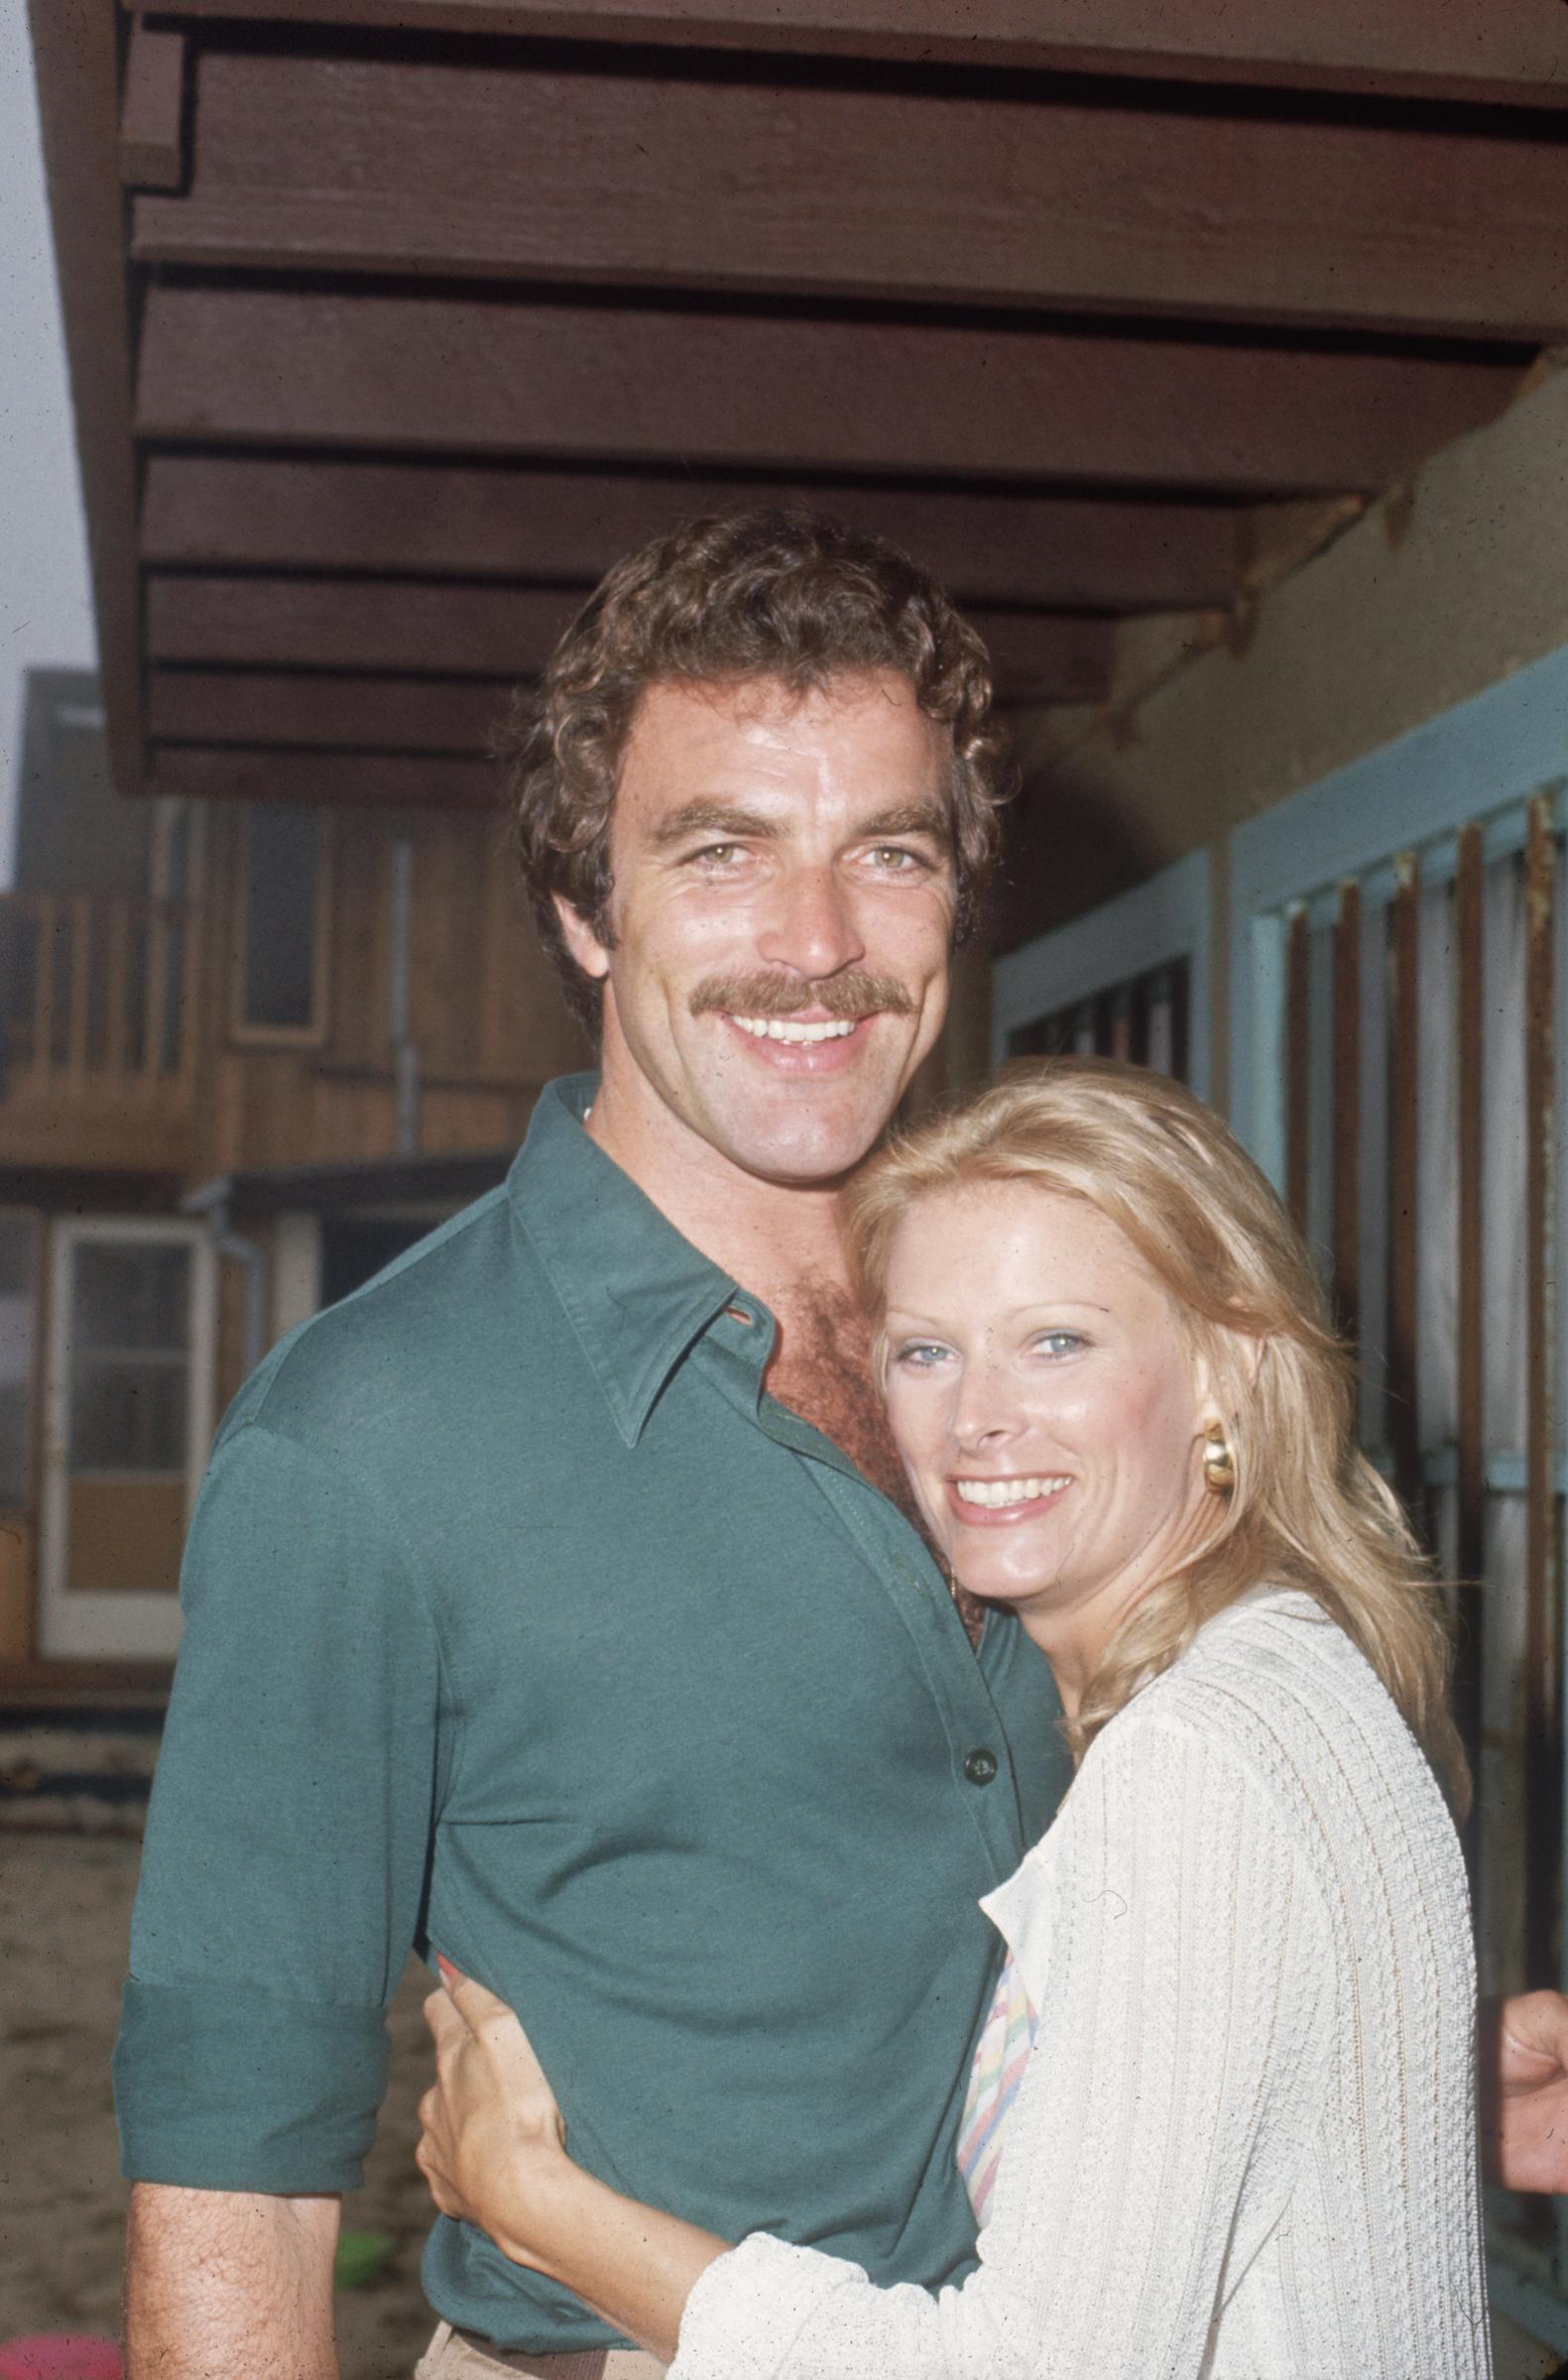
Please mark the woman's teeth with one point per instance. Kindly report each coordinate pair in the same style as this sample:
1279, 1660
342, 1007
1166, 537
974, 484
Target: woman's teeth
783, 1029
994, 1493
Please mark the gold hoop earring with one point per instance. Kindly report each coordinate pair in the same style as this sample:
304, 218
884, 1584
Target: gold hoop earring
1219, 1461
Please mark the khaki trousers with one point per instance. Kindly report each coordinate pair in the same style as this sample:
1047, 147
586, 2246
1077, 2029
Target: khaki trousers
451, 2356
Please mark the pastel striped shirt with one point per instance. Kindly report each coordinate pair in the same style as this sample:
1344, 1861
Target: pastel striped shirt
1000, 2055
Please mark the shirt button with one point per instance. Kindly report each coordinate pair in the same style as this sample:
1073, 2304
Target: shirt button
980, 1766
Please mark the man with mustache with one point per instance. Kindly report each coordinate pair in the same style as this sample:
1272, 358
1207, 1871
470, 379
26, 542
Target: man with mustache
552, 1604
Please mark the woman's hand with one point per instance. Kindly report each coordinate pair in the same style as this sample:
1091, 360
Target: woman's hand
494, 2152
493, 2148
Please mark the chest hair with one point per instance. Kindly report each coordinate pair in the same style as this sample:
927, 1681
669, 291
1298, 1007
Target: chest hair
821, 1370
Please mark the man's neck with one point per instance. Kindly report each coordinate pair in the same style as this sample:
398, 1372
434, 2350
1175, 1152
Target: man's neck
768, 1235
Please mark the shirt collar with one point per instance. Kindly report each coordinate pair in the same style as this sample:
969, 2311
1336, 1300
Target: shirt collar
635, 1292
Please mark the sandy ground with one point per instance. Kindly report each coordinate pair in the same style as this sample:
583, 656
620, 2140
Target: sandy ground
65, 1918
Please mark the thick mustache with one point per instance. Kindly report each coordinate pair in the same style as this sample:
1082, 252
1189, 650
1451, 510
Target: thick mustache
844, 997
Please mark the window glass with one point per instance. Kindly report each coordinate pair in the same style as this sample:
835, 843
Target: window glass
18, 1246
283, 874
129, 1375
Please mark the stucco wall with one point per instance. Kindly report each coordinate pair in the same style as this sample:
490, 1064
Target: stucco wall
1437, 590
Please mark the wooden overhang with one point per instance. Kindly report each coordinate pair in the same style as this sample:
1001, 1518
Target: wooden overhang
392, 322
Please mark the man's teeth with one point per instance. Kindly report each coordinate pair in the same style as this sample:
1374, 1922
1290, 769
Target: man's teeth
996, 1492
784, 1029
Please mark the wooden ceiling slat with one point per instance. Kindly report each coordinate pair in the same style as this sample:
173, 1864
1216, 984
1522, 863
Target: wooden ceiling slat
362, 780
363, 625
287, 367
354, 624
1464, 50
152, 108
408, 166
1072, 554
363, 713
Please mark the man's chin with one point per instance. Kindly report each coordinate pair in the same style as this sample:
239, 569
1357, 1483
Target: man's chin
810, 1160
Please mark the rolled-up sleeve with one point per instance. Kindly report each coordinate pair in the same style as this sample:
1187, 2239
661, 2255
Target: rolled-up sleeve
289, 1833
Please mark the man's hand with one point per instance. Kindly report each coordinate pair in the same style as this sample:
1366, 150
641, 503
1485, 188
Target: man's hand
1525, 2090
223, 2283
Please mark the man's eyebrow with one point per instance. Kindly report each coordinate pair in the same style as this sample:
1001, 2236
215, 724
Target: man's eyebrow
712, 818
911, 818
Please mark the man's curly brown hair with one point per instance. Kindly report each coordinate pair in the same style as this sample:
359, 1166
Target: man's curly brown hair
770, 593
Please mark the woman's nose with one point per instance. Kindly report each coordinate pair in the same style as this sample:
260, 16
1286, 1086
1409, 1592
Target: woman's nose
983, 1412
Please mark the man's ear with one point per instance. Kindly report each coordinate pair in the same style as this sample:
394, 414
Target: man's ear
581, 941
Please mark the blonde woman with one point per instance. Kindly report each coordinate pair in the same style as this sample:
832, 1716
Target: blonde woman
1244, 2144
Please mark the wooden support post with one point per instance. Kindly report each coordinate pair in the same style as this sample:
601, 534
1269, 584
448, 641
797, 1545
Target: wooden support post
1543, 1763
1471, 1536
1347, 1112
1404, 1070
1298, 1066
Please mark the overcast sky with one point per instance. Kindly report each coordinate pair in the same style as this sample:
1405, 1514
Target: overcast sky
46, 613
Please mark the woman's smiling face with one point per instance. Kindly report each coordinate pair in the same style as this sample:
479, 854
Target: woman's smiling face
1049, 1406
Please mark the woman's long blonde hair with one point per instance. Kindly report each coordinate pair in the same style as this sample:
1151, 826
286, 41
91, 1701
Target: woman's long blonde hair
1308, 1508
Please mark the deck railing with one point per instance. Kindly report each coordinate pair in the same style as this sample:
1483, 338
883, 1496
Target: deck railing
96, 1003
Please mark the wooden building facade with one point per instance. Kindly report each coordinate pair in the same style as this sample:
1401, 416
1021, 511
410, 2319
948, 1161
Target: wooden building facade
247, 1051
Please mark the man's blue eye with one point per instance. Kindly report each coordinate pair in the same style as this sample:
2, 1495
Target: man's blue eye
919, 1354
1060, 1343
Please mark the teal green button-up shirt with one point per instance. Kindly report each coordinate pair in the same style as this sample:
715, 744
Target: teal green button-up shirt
521, 1622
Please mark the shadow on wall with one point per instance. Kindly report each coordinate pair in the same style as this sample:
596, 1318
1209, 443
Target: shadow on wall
1063, 853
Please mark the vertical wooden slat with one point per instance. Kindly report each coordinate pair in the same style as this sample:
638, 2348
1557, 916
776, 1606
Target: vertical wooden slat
1542, 1699
46, 927
118, 1057
1347, 1112
81, 984
1298, 1066
155, 950
1404, 1177
1470, 1416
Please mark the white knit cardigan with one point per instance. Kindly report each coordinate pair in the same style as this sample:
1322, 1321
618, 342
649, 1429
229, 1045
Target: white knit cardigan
1245, 2147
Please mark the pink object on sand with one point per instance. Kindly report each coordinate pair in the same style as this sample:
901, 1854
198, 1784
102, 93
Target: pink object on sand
61, 2355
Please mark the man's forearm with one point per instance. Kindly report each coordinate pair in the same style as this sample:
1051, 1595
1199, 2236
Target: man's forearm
220, 2283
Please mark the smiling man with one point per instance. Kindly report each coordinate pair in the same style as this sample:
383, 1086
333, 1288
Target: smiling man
553, 1602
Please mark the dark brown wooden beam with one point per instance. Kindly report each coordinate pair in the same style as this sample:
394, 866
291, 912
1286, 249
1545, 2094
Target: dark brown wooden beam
1469, 1275
76, 59
1466, 49
1544, 1711
412, 167
285, 367
358, 781
1402, 1315
152, 108
354, 625
1068, 553
261, 707
1347, 1112
361, 626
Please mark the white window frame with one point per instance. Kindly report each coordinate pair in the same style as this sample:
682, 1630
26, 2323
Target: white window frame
73, 1623
1486, 759
1166, 920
